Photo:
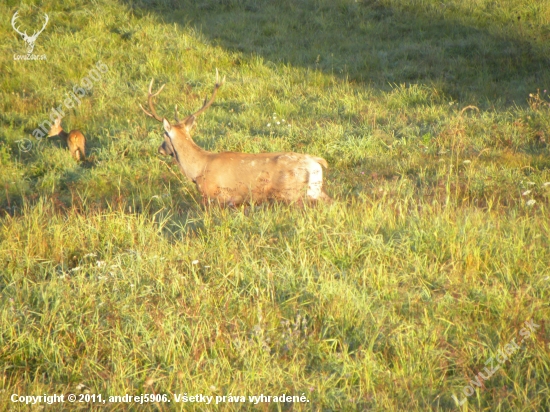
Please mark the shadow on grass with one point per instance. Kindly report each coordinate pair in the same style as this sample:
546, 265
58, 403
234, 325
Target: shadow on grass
369, 43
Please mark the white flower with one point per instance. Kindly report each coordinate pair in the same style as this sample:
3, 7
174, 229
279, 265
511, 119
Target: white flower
526, 193
278, 122
531, 202
195, 262
100, 263
269, 125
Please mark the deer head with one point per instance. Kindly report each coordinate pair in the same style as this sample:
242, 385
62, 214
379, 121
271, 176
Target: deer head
184, 126
30, 40
56, 128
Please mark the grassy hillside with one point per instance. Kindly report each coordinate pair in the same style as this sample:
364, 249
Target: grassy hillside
435, 120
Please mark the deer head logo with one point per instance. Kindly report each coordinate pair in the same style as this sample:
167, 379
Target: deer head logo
30, 40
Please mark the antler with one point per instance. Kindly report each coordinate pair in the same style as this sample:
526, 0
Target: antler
15, 16
176, 115
206, 104
35, 35
153, 113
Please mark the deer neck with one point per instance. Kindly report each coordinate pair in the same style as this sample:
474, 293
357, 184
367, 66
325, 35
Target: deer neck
190, 157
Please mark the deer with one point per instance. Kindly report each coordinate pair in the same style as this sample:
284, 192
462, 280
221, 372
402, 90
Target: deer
232, 178
30, 40
75, 139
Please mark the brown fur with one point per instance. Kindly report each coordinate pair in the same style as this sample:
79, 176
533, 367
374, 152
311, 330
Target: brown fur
232, 178
76, 141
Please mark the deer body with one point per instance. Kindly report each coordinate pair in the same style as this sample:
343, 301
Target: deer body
75, 140
232, 178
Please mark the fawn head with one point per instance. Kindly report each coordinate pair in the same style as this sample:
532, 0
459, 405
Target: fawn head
56, 128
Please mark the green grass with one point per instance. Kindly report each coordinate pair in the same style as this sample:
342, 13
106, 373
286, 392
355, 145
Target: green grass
436, 250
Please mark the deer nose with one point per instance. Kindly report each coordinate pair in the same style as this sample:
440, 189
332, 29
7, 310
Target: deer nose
165, 150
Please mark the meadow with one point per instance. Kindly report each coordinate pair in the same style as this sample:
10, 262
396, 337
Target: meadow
423, 286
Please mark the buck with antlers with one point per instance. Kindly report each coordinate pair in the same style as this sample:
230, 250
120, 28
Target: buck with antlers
30, 40
232, 178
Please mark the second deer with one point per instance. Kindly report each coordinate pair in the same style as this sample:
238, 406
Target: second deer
232, 178
75, 139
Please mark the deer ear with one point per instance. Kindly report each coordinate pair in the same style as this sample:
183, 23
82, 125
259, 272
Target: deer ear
189, 123
167, 126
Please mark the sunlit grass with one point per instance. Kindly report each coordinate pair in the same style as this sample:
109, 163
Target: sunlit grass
114, 280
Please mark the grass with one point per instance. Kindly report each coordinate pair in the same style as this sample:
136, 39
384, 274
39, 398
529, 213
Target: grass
114, 280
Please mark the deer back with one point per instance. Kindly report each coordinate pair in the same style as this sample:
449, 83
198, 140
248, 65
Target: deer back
235, 178
77, 144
